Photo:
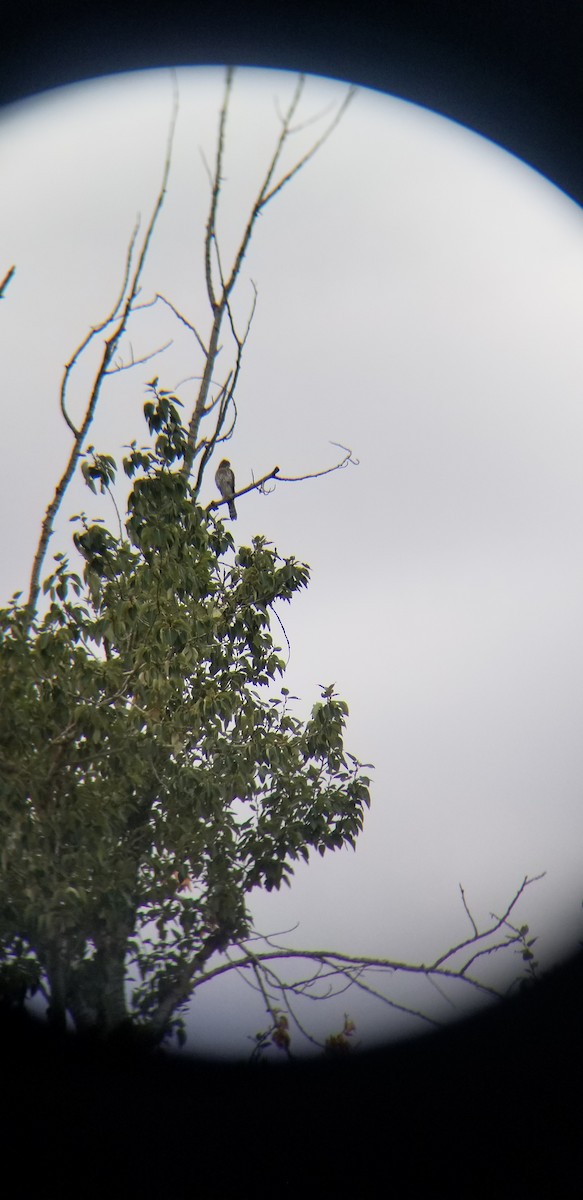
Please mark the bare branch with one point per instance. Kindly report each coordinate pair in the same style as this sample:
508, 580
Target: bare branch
473, 923
338, 962
314, 149
180, 317
258, 484
308, 121
278, 618
223, 399
208, 171
109, 350
265, 187
243, 491
219, 399
269, 188
486, 951
74, 360
348, 459
241, 341
499, 921
331, 964
6, 281
216, 188
119, 365
272, 1011
356, 970
404, 1008
299, 1025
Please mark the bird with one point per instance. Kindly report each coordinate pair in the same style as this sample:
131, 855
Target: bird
225, 481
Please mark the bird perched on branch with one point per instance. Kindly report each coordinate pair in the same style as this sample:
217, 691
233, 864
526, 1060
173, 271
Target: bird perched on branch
225, 481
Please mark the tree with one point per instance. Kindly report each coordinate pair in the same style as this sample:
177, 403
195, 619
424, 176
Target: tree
153, 771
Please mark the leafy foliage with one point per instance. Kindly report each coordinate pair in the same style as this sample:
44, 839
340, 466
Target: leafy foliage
152, 772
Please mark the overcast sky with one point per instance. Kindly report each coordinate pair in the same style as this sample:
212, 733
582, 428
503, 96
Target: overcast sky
419, 302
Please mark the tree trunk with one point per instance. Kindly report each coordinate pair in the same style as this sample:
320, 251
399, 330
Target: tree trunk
96, 993
56, 960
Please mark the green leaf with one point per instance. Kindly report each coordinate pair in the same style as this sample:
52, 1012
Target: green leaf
144, 744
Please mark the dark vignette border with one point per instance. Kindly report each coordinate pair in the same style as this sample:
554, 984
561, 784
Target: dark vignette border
491, 1107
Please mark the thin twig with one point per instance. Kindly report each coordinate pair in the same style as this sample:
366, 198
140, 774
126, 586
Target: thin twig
348, 459
473, 923
179, 316
219, 296
314, 149
499, 921
75, 358
6, 281
137, 362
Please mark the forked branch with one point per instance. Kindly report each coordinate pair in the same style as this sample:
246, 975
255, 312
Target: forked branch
118, 317
259, 484
219, 291
332, 973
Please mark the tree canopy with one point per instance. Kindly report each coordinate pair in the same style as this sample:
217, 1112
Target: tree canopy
154, 773
153, 770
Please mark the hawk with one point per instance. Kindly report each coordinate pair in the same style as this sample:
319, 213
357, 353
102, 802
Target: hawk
225, 481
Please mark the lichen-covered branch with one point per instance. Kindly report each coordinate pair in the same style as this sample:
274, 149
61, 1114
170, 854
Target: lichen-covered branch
335, 972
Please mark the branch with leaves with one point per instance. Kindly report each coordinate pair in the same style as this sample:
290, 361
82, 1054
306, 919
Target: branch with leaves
219, 285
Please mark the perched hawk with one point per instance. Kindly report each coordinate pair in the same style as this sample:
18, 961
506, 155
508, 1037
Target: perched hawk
225, 481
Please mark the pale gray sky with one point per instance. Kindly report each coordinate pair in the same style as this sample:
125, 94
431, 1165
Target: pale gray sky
419, 301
